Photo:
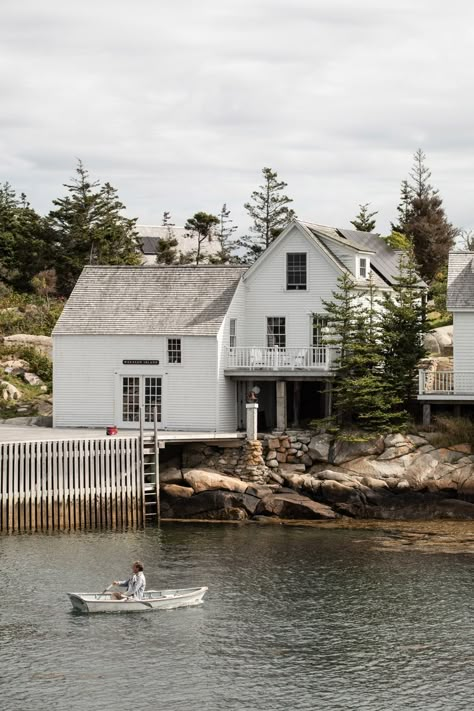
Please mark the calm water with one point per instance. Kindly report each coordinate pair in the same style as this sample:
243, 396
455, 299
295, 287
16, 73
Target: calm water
294, 619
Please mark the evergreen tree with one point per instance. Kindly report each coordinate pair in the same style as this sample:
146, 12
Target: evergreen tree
403, 209
423, 220
363, 398
402, 328
398, 241
26, 242
202, 226
90, 229
166, 249
364, 221
224, 233
270, 213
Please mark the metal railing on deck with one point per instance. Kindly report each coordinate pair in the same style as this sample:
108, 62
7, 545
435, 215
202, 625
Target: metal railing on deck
446, 382
254, 358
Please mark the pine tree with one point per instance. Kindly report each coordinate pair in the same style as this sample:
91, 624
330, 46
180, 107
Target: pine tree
363, 398
423, 220
201, 226
402, 329
90, 229
26, 242
224, 233
166, 249
364, 221
270, 213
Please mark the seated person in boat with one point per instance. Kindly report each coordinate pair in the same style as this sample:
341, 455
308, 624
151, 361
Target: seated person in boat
135, 584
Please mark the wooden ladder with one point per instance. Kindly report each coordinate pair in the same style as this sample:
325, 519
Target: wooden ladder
150, 464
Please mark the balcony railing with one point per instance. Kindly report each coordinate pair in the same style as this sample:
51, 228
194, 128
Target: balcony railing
446, 382
253, 358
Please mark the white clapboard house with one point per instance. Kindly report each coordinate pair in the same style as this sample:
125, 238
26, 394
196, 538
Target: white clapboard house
193, 341
455, 387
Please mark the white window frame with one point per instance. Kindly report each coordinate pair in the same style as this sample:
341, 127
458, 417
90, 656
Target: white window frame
366, 261
287, 254
232, 333
267, 334
173, 362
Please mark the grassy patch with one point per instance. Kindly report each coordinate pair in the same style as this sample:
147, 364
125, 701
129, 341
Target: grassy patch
27, 313
452, 430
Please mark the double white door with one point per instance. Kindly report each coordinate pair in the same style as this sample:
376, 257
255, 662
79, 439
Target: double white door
141, 391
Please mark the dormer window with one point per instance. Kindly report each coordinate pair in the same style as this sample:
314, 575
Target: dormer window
363, 268
296, 272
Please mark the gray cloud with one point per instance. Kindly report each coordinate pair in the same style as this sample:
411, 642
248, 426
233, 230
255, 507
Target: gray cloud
180, 104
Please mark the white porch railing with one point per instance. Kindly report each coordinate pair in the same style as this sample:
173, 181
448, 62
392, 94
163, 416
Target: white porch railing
446, 382
254, 358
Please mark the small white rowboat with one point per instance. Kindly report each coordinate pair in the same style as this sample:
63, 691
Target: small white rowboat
152, 600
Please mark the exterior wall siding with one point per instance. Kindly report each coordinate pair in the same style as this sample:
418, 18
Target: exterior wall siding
463, 328
266, 293
227, 388
87, 372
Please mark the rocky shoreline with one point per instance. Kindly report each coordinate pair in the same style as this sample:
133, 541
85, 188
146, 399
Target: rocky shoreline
308, 476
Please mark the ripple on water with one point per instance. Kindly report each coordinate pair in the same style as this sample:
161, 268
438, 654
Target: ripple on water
295, 618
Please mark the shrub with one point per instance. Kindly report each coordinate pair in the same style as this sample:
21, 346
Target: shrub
452, 430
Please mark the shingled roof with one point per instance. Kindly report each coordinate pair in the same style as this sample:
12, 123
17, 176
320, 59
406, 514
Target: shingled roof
149, 300
150, 235
461, 281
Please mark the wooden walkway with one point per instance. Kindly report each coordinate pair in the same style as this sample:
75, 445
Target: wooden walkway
57, 480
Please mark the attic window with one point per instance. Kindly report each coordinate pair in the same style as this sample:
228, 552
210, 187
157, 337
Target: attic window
363, 267
296, 276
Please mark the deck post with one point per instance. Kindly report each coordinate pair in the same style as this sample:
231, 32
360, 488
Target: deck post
426, 414
328, 399
281, 405
252, 421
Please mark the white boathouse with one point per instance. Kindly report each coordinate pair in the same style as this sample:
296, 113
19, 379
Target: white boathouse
193, 340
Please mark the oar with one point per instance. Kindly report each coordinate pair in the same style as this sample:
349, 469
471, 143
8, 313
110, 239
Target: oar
107, 589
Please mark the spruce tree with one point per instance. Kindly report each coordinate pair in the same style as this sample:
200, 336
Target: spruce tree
166, 248
363, 399
364, 221
224, 233
90, 229
268, 208
201, 226
422, 218
26, 242
402, 328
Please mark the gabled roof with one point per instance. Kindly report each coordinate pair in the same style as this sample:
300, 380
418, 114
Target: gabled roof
151, 234
461, 281
385, 260
149, 300
332, 233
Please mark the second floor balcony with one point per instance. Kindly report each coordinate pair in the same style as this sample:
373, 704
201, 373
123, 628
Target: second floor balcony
446, 384
254, 358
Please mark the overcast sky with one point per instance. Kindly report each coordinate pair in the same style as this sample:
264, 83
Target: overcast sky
181, 104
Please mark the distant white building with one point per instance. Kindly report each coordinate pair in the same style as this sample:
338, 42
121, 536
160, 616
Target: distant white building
455, 387
193, 340
150, 235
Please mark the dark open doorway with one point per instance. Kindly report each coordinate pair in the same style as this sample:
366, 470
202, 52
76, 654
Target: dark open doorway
304, 402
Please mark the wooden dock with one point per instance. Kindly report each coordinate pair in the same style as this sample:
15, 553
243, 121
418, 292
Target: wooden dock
66, 481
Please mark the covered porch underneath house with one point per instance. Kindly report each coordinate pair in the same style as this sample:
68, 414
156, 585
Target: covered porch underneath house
284, 401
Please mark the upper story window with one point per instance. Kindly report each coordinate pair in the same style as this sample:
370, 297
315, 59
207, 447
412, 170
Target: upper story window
296, 272
233, 333
363, 268
174, 350
276, 332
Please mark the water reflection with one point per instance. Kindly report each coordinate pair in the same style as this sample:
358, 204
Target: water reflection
295, 618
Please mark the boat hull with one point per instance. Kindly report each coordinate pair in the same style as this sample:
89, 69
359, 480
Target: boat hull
152, 600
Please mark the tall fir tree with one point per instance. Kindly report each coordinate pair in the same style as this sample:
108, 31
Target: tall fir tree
268, 208
364, 221
224, 234
167, 246
90, 229
402, 329
202, 227
363, 399
26, 241
422, 218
